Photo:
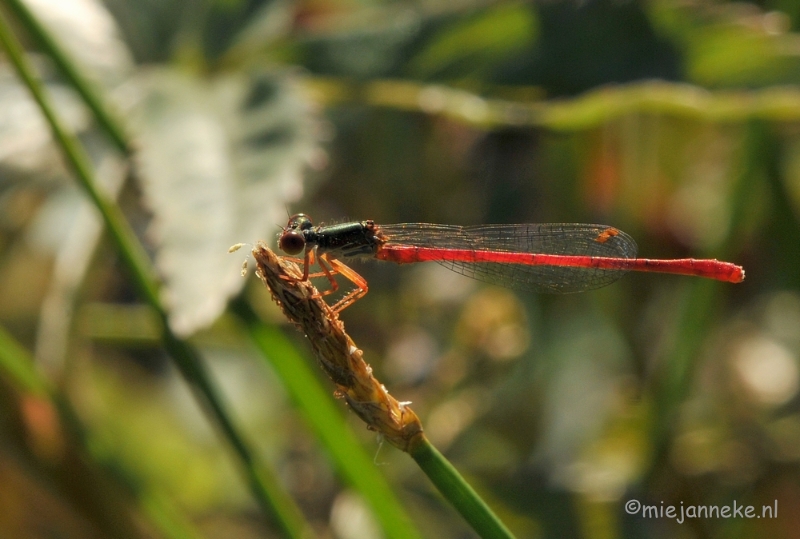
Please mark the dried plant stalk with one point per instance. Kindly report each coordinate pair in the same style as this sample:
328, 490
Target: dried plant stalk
336, 352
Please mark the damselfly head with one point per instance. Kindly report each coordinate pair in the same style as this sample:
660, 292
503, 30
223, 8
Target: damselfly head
299, 221
291, 240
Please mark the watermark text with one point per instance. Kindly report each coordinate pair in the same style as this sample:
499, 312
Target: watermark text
681, 512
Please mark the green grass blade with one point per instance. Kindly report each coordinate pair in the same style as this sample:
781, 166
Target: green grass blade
71, 72
325, 419
130, 249
18, 366
264, 486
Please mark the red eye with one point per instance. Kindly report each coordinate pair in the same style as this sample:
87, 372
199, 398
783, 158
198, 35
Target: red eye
292, 242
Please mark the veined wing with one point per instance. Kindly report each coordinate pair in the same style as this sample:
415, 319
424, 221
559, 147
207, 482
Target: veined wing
566, 239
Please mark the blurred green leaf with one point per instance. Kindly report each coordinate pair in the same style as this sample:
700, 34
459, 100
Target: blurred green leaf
477, 43
736, 56
734, 47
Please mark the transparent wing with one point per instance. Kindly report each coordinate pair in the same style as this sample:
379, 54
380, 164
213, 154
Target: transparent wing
556, 239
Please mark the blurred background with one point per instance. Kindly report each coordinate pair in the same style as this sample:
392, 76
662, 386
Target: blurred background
677, 121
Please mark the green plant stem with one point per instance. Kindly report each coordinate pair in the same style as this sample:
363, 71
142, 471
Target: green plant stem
457, 491
590, 110
343, 362
325, 419
263, 484
266, 488
71, 72
129, 247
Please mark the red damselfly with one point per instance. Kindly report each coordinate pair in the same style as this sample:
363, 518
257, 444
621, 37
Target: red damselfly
552, 258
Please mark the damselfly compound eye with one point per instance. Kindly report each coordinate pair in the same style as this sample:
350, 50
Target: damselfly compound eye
292, 242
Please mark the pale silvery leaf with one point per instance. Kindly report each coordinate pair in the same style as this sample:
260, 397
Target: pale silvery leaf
88, 34
25, 136
219, 161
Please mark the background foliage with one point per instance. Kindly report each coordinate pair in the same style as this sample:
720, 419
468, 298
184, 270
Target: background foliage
676, 121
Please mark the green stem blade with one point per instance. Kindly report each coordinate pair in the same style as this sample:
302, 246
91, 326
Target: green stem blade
458, 492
